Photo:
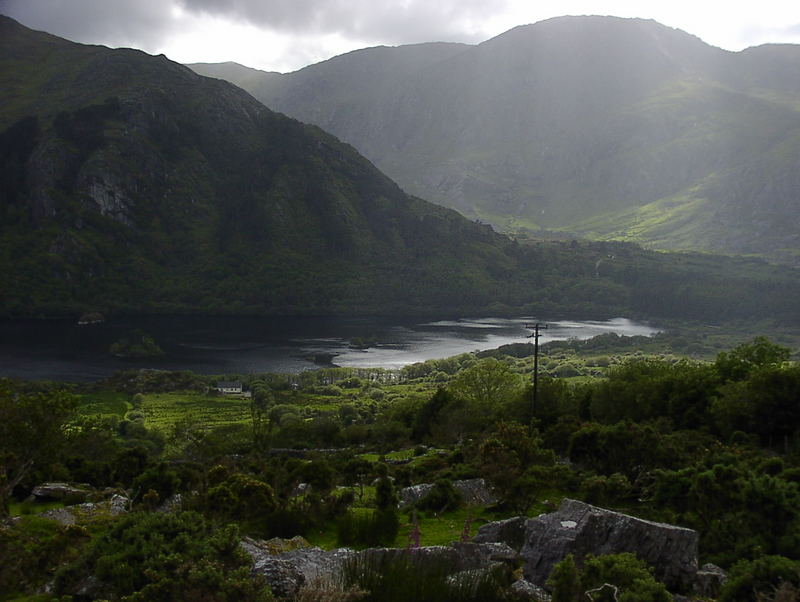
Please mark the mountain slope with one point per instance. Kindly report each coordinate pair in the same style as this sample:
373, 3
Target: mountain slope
131, 182
580, 118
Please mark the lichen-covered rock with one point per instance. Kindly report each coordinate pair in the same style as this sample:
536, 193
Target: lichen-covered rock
510, 531
278, 545
525, 590
474, 492
580, 529
60, 491
709, 581
70, 515
288, 571
288, 565
413, 494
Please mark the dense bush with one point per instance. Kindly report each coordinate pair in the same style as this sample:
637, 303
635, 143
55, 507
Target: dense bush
181, 556
442, 497
760, 577
614, 577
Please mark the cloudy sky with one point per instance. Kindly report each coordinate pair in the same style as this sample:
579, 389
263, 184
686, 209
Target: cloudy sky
284, 35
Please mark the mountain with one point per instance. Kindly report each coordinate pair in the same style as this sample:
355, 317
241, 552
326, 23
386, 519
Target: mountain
617, 129
131, 184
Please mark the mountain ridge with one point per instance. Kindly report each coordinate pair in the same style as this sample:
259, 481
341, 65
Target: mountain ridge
577, 119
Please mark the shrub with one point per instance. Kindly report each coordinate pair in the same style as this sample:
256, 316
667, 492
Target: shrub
378, 528
29, 547
748, 578
241, 497
161, 479
620, 577
566, 371
165, 557
377, 394
385, 495
441, 498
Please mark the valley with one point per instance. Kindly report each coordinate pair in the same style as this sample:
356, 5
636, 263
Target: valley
265, 339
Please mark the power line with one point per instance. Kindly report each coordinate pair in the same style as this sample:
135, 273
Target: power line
536, 327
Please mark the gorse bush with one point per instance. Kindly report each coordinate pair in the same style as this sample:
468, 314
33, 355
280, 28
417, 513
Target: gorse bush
31, 545
148, 557
612, 577
761, 577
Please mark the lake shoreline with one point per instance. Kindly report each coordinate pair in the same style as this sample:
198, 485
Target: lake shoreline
62, 350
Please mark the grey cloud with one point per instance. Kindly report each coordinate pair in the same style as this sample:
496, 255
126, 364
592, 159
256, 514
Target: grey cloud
141, 23
390, 21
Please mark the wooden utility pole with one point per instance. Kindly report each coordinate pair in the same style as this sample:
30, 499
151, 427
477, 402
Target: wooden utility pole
536, 327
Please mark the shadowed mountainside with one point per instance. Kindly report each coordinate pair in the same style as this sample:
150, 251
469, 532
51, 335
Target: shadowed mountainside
131, 184
610, 128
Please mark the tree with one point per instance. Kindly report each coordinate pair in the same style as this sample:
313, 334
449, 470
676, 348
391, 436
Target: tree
739, 362
33, 428
565, 581
429, 413
489, 381
242, 497
765, 403
385, 495
260, 405
504, 459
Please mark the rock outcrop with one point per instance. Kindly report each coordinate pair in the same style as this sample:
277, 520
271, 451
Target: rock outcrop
70, 515
474, 492
709, 581
526, 590
535, 543
580, 529
288, 571
510, 532
60, 491
288, 565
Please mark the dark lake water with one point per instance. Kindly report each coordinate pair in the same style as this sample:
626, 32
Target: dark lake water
61, 350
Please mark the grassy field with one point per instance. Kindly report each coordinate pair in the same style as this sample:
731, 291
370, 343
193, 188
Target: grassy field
104, 403
163, 410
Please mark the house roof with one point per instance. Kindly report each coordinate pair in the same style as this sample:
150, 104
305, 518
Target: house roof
229, 384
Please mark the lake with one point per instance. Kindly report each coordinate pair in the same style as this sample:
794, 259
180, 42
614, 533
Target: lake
62, 350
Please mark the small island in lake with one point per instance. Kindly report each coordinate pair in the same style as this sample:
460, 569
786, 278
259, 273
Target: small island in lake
362, 342
136, 346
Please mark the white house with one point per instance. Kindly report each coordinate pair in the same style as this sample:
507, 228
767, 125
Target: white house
229, 387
